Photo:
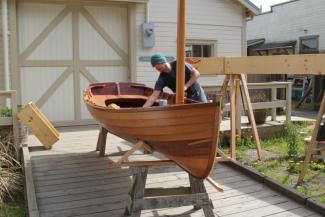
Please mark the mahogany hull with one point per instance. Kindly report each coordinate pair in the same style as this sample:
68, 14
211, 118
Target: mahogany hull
186, 134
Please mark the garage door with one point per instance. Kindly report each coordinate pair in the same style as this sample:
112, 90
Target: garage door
62, 48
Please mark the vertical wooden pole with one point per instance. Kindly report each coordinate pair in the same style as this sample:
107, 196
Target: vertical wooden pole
180, 68
233, 118
313, 140
101, 142
251, 116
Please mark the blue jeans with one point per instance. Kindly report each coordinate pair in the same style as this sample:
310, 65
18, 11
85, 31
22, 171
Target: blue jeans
199, 95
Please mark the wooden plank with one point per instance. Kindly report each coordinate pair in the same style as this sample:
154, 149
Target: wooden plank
282, 64
251, 117
208, 66
233, 114
137, 146
106, 192
312, 143
65, 181
156, 163
173, 201
94, 207
29, 183
39, 125
6, 121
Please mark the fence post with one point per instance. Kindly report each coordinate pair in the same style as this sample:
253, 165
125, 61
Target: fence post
273, 98
288, 102
15, 121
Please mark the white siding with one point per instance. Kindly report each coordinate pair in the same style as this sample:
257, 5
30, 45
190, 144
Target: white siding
217, 20
288, 22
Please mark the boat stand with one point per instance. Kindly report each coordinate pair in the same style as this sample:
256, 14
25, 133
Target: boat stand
101, 145
142, 198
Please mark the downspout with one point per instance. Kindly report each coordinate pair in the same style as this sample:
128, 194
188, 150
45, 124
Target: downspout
147, 12
5, 47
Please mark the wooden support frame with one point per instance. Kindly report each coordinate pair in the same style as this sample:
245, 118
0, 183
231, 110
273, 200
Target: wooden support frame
312, 142
236, 81
143, 199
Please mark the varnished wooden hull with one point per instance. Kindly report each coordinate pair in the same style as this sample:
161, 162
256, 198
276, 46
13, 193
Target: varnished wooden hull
186, 134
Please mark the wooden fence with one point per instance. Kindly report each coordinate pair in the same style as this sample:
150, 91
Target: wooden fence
273, 103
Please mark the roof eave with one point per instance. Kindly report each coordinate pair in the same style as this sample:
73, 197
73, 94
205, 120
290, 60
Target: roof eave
252, 9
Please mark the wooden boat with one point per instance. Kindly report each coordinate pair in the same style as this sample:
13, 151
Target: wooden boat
185, 133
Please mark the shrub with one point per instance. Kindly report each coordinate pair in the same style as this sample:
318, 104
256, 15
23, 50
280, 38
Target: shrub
291, 136
5, 112
10, 168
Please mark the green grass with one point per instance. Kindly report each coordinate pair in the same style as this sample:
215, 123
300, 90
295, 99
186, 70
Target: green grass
13, 208
280, 166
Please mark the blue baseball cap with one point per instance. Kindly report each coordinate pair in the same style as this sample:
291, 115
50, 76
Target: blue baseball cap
157, 59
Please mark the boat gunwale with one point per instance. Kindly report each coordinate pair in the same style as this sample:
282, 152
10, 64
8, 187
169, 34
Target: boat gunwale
155, 108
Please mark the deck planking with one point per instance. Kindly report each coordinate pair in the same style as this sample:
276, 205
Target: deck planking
71, 180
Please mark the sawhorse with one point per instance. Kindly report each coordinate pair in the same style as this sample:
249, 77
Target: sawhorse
156, 198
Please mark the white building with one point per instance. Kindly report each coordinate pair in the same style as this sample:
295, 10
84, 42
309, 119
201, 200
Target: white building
57, 47
299, 20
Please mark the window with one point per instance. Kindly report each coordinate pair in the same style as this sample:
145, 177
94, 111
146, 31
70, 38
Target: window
199, 49
309, 44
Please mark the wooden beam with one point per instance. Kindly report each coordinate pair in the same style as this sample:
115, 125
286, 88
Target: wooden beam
251, 116
29, 183
214, 184
154, 163
313, 141
282, 64
32, 117
208, 66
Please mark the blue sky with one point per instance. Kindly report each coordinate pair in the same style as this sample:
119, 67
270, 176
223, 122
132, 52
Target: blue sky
266, 3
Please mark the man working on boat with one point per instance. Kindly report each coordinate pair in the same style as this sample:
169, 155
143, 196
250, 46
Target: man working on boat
167, 78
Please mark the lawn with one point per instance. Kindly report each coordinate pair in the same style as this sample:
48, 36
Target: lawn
284, 156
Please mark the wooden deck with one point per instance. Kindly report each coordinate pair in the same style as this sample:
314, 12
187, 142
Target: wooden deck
71, 180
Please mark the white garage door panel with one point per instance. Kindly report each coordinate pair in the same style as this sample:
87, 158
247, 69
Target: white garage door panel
33, 18
59, 106
58, 42
114, 21
92, 45
36, 80
59, 45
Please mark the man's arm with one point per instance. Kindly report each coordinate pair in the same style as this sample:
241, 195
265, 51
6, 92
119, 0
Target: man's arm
152, 98
195, 74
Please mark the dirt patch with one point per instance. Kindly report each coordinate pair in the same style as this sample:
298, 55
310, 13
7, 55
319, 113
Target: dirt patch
250, 155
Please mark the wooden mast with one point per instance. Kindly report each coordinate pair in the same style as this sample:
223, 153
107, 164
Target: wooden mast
180, 68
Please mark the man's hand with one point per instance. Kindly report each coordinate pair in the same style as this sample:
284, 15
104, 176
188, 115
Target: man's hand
151, 100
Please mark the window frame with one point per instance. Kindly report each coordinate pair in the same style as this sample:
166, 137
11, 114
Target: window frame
301, 51
211, 43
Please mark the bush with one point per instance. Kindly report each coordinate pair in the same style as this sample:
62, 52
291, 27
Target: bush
5, 112
291, 136
10, 169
